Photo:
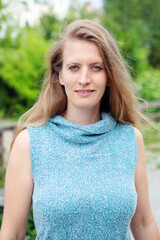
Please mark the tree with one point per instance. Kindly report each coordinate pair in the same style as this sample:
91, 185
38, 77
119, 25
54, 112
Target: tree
21, 73
22, 53
136, 25
152, 17
49, 26
139, 17
76, 11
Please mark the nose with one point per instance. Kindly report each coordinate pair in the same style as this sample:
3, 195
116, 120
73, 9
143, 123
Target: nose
85, 76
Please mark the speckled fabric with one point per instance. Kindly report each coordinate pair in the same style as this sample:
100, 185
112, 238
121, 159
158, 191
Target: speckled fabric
83, 179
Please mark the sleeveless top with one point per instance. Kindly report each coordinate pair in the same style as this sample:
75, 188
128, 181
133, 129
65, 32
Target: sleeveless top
83, 179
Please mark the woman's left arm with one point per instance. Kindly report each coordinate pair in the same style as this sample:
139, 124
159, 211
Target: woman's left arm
143, 224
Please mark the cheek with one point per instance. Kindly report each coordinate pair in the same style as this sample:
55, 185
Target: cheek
68, 85
69, 81
64, 77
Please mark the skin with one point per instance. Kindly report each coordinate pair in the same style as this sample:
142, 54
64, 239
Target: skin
143, 224
18, 190
19, 183
83, 69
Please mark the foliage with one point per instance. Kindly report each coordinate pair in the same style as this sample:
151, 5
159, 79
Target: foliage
127, 27
76, 11
1, 217
151, 137
22, 62
136, 26
22, 51
142, 18
2, 178
147, 79
154, 56
21, 71
2, 15
137, 34
49, 26
151, 16
31, 232
149, 85
9, 28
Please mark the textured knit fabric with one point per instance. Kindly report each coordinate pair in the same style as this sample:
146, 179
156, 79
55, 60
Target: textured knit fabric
83, 179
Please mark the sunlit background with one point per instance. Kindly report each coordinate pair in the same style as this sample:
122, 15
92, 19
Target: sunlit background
28, 29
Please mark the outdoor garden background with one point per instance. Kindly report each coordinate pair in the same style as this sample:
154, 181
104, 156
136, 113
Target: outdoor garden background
23, 60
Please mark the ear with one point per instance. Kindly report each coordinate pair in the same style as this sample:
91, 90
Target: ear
61, 78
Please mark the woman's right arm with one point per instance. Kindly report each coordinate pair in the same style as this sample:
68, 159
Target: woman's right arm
18, 190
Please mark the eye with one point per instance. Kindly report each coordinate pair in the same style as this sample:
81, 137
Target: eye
97, 68
73, 68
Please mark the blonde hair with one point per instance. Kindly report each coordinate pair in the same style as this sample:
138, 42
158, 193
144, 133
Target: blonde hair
119, 98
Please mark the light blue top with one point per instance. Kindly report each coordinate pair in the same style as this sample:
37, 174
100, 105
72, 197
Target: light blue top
83, 179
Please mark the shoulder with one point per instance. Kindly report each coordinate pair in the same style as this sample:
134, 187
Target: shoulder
139, 139
22, 140
141, 162
20, 152
138, 134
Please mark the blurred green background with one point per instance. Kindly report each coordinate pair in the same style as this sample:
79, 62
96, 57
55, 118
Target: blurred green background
134, 24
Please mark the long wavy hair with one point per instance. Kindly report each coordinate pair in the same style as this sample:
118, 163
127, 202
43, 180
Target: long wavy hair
119, 98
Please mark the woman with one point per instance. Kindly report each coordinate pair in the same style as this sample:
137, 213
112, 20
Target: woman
79, 156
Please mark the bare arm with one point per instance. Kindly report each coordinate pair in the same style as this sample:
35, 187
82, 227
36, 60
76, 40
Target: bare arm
18, 190
143, 224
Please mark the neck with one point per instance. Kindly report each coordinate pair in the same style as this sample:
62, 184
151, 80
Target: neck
82, 117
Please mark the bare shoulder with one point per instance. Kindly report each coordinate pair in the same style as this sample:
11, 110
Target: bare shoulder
19, 163
21, 148
139, 139
22, 139
138, 134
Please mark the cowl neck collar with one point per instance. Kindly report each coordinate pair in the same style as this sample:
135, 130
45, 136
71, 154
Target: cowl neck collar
83, 133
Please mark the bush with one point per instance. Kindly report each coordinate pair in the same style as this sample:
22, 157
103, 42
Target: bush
149, 85
21, 72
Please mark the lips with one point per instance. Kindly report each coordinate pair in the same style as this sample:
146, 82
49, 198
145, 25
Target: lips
84, 91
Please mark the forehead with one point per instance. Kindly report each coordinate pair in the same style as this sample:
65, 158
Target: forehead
80, 49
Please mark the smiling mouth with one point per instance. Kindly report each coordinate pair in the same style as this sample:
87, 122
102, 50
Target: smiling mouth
84, 91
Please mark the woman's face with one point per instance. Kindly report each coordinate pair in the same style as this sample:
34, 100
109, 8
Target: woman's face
83, 75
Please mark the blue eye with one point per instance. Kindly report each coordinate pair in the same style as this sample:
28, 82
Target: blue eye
73, 68
97, 68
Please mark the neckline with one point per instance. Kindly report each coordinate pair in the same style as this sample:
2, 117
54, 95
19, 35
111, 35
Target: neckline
82, 133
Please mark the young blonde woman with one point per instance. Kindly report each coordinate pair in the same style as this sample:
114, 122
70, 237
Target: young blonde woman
79, 157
